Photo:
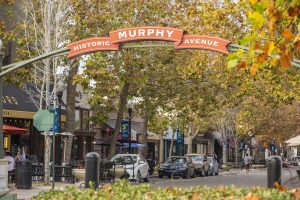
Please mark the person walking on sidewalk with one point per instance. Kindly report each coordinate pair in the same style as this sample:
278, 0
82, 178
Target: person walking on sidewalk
247, 162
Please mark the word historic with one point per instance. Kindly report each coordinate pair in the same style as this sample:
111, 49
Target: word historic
181, 41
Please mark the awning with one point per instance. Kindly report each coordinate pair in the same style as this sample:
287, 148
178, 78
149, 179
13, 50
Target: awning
134, 145
12, 130
106, 142
293, 145
294, 140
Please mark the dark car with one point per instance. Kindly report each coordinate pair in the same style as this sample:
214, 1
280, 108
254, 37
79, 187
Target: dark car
177, 166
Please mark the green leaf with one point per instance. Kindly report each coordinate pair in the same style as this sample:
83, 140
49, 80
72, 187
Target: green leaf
232, 63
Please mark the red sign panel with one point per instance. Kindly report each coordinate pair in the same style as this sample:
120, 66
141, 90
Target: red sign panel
146, 33
91, 45
203, 42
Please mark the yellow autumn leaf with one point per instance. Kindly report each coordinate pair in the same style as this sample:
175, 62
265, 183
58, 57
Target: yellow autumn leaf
271, 48
253, 1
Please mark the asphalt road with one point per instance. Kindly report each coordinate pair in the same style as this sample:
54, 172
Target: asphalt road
256, 177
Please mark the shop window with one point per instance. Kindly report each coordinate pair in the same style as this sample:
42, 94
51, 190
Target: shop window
77, 120
5, 142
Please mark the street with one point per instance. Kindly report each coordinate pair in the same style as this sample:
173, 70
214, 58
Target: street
256, 177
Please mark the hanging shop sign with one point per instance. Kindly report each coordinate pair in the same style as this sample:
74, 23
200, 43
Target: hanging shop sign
181, 41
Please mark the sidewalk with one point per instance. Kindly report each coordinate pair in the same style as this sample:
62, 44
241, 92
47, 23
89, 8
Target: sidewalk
25, 194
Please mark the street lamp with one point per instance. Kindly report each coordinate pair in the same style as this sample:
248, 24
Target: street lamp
130, 107
1, 105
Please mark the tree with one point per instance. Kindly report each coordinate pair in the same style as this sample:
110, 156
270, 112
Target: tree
42, 31
272, 35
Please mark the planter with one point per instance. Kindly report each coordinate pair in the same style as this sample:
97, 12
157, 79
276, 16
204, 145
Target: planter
119, 172
79, 174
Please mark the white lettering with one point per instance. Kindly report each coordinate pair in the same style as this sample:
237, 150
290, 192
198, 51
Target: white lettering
141, 32
76, 48
169, 32
186, 41
122, 35
197, 41
192, 41
203, 41
107, 43
83, 46
161, 33
150, 32
216, 43
209, 42
94, 44
132, 33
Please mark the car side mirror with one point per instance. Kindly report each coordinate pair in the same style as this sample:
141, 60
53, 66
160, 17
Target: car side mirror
141, 162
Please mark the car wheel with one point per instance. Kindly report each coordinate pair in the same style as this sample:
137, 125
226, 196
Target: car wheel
193, 175
186, 175
213, 172
200, 173
138, 177
147, 177
217, 173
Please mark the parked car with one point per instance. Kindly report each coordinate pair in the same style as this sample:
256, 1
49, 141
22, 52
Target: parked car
177, 166
210, 166
295, 161
135, 164
197, 159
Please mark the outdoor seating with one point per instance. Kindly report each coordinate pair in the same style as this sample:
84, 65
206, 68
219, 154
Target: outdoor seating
107, 171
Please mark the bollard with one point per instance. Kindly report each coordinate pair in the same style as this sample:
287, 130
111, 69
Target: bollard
92, 169
273, 170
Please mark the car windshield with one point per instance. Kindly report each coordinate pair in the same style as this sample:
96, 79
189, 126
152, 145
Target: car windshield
176, 160
210, 159
196, 158
124, 159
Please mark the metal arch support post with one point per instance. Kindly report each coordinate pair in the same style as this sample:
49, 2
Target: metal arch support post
9, 68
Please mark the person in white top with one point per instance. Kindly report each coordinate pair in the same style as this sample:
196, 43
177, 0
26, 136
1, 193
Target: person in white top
11, 161
247, 162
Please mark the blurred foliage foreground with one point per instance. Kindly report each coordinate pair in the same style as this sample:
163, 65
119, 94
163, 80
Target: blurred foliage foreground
125, 190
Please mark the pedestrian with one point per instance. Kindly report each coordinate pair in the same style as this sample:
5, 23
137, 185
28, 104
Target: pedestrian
19, 156
215, 156
11, 161
247, 162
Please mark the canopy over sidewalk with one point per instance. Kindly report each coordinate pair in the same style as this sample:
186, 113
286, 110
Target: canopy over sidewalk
295, 141
12, 130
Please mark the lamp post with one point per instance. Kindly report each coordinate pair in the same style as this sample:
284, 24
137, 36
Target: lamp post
129, 106
1, 105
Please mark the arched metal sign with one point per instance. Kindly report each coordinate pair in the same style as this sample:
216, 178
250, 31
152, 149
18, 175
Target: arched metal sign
181, 41
120, 39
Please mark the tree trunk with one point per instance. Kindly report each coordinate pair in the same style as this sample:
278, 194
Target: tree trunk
224, 148
47, 158
122, 104
70, 109
143, 151
172, 144
189, 143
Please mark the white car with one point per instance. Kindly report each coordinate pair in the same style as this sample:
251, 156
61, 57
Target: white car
135, 164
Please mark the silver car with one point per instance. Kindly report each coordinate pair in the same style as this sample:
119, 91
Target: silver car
210, 166
197, 160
